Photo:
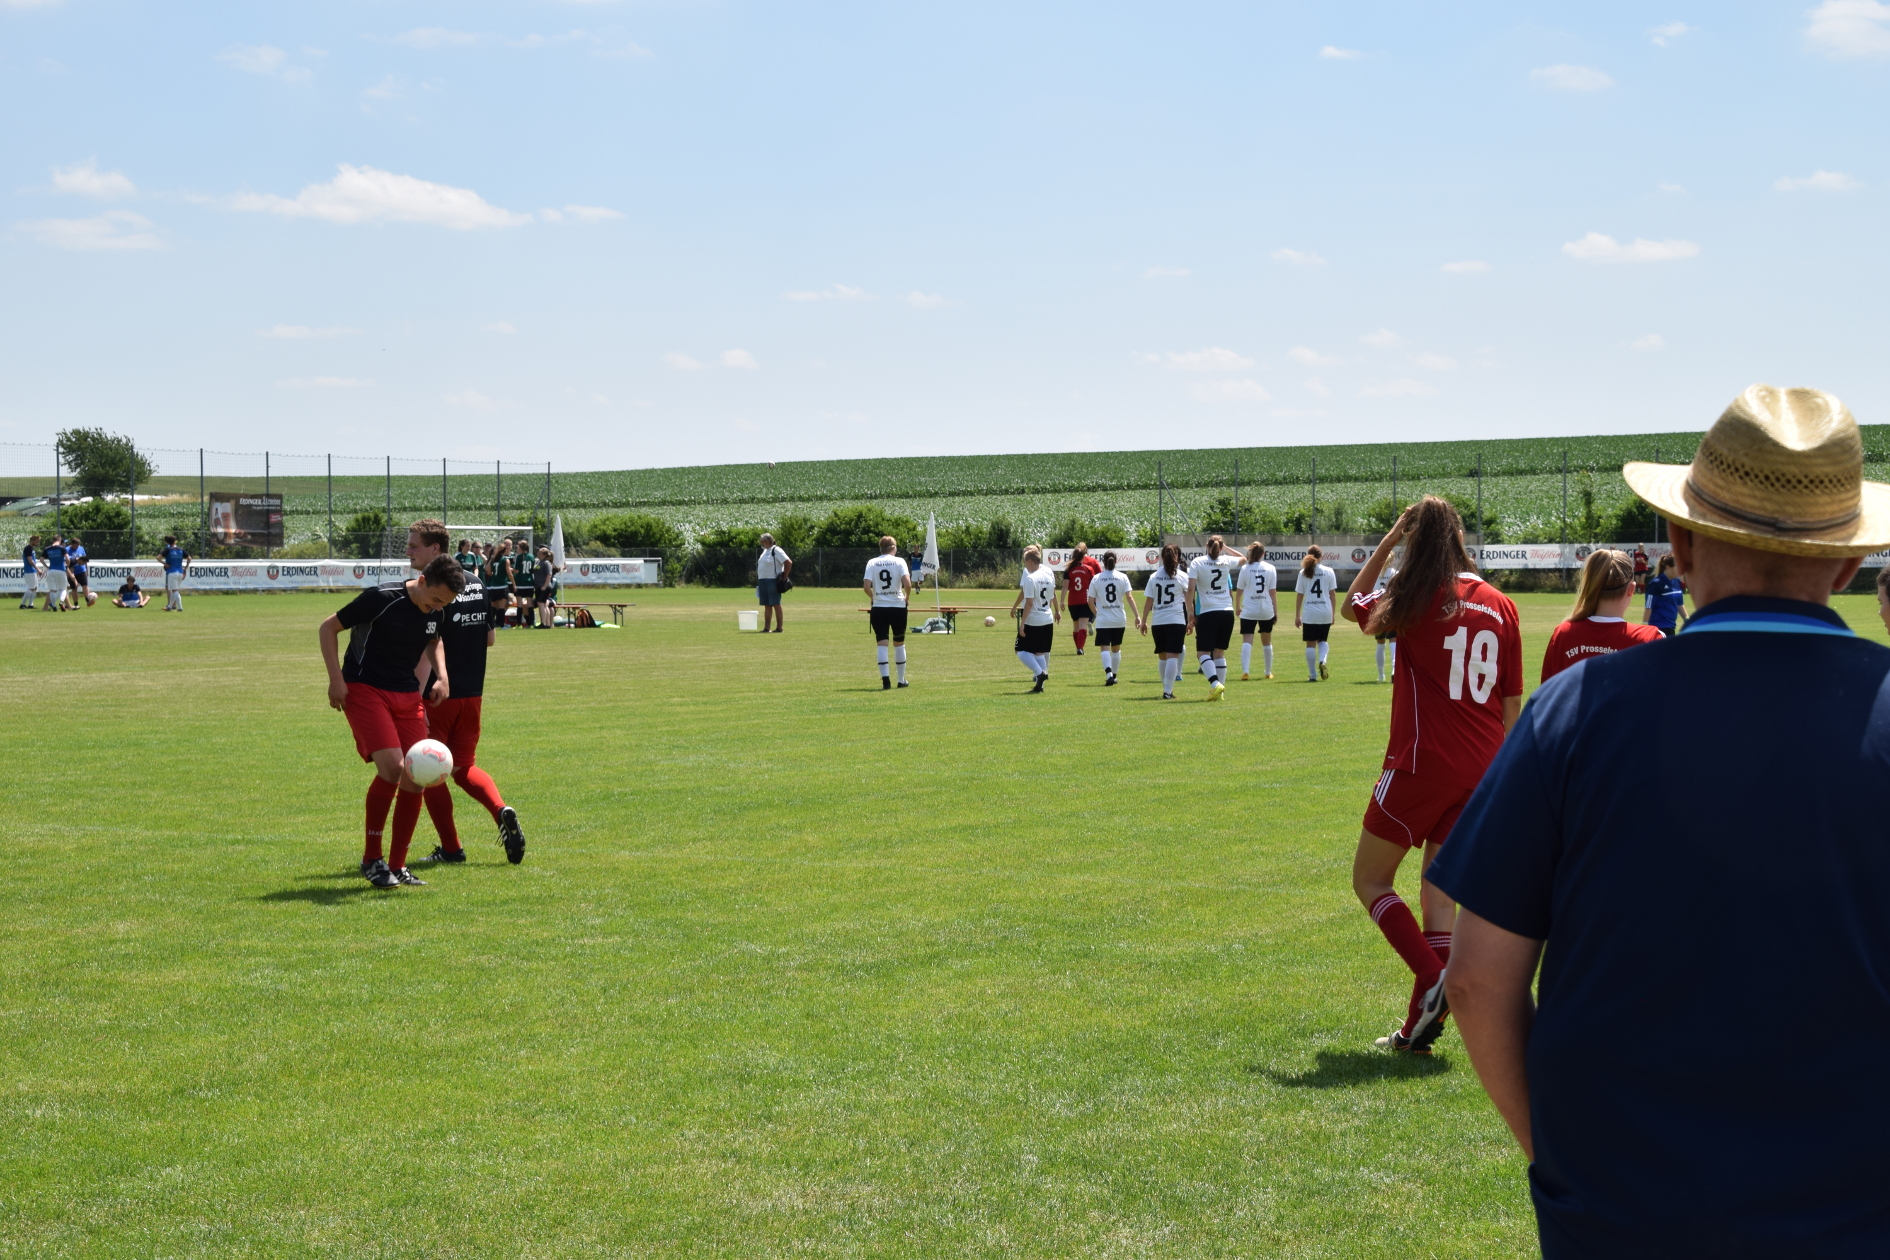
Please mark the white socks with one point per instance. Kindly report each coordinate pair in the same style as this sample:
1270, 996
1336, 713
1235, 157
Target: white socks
1312, 662
1324, 649
1109, 656
883, 671
1030, 663
1246, 658
1381, 662
1392, 649
899, 655
1207, 665
1171, 670
1267, 650
1043, 663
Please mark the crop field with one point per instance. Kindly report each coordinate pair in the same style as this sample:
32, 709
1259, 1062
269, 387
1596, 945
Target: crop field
794, 967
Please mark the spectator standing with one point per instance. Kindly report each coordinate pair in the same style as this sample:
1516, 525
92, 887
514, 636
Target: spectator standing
29, 574
771, 566
1651, 1133
1666, 599
1640, 568
176, 565
1597, 626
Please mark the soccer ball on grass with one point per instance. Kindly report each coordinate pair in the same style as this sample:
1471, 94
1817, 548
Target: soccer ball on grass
990, 621
428, 762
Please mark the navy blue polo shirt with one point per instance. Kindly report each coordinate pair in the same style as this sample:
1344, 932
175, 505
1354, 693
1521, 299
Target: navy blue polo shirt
1705, 1069
1665, 597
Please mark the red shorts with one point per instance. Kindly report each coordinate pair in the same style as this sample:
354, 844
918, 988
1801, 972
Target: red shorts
384, 719
455, 723
1408, 810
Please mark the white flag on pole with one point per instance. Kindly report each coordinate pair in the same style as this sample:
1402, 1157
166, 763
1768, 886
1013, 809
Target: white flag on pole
928, 564
557, 543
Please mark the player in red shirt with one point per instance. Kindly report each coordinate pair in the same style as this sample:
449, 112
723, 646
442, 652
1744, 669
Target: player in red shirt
1457, 691
1075, 593
1596, 626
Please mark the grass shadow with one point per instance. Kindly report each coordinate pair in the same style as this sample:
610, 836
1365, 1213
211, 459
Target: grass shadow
1345, 1069
323, 896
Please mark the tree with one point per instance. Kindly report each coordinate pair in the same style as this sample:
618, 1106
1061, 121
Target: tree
1077, 530
636, 532
367, 532
863, 526
101, 462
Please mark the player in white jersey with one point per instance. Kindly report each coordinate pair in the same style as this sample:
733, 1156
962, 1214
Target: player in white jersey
1036, 608
889, 585
1387, 642
1211, 597
1109, 596
1312, 611
1167, 614
1256, 586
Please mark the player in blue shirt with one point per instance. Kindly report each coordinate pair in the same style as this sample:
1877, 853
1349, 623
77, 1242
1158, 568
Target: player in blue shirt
176, 566
79, 573
1666, 600
55, 583
29, 574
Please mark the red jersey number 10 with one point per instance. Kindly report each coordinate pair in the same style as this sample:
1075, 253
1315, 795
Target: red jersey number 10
1481, 666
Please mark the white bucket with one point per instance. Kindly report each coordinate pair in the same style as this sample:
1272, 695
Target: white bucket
748, 619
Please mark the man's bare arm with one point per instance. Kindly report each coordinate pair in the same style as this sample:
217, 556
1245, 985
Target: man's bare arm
1489, 984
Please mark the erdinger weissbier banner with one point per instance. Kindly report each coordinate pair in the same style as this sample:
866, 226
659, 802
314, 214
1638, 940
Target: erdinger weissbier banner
246, 520
289, 575
1350, 559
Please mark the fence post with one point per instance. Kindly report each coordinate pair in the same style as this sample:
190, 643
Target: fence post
331, 507
1236, 496
1161, 486
1479, 499
498, 496
443, 492
266, 530
203, 508
387, 522
1565, 518
1396, 509
132, 551
547, 498
1315, 499
58, 490
1658, 519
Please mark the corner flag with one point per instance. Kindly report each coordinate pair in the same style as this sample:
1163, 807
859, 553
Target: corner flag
928, 564
557, 542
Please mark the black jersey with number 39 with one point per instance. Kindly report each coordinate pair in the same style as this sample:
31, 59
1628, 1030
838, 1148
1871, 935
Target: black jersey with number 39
466, 621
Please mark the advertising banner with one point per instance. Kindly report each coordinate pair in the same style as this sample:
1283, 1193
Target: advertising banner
281, 575
1346, 559
246, 520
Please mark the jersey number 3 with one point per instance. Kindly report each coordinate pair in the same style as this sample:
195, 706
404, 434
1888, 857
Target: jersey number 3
1481, 667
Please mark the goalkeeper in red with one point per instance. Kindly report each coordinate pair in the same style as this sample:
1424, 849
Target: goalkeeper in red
1456, 693
465, 634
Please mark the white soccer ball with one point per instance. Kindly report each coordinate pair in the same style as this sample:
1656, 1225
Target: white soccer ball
990, 621
428, 762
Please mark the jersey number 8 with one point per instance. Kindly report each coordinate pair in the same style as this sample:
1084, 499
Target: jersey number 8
1481, 667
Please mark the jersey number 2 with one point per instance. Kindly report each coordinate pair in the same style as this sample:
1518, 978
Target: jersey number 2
1481, 667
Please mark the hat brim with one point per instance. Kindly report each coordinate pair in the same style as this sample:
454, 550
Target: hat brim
1664, 487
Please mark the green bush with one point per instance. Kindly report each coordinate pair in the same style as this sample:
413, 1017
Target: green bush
1076, 530
993, 535
1252, 518
796, 532
1634, 523
636, 531
745, 538
96, 514
363, 533
863, 526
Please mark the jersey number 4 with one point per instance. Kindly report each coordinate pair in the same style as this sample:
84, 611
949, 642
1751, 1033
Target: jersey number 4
1481, 667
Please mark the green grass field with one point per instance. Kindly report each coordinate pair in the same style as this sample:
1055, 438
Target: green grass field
794, 967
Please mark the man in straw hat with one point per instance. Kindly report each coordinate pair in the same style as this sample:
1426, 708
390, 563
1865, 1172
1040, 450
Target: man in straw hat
1698, 1073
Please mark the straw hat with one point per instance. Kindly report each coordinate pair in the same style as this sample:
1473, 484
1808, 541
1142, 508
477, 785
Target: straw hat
1781, 470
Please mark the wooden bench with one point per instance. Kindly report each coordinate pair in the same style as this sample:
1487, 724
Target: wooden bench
616, 610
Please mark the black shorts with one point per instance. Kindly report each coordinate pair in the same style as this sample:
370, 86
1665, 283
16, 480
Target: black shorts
1035, 639
1109, 636
889, 622
1084, 611
1169, 640
1385, 638
1249, 626
1315, 632
1213, 629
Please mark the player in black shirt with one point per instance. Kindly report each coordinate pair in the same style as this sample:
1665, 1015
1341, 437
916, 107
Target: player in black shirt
454, 720
391, 629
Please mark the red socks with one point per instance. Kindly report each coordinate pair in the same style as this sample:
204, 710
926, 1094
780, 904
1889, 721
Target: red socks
1082, 637
439, 799
479, 785
406, 814
1440, 945
1400, 927
380, 798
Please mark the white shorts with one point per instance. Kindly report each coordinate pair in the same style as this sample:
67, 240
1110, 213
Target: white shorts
29, 585
173, 581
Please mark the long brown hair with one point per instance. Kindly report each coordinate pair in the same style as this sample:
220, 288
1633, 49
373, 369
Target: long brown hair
1605, 574
1171, 559
1256, 553
1311, 562
1433, 557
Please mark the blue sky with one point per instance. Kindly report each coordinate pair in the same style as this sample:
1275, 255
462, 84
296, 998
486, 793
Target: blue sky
614, 234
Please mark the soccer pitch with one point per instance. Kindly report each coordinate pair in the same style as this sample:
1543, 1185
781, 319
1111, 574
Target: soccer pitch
794, 966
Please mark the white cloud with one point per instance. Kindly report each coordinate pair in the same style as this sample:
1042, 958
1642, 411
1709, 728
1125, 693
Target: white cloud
1433, 362
592, 214
438, 37
474, 400
1303, 258
1212, 359
87, 180
1230, 391
739, 359
1313, 385
29, 4
682, 362
1334, 53
501, 327
263, 59
1164, 273
1468, 267
838, 292
362, 194
1383, 339
1312, 358
1665, 34
629, 52
926, 301
387, 89
1596, 247
115, 229
323, 382
1843, 29
1403, 387
302, 332
1670, 188
1820, 181
1652, 341
1572, 78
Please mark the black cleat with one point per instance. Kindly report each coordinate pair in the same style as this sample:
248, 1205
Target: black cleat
1432, 1013
885, 683
904, 683
443, 854
405, 876
378, 874
1109, 681
1398, 1043
1041, 680
510, 836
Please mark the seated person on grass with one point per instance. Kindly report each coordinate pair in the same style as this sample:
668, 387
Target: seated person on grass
131, 595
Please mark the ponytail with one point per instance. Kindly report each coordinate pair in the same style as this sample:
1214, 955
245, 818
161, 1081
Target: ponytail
1311, 562
1171, 559
1605, 574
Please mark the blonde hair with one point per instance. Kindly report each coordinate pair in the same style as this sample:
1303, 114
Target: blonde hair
1605, 574
1255, 553
1311, 562
1033, 550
